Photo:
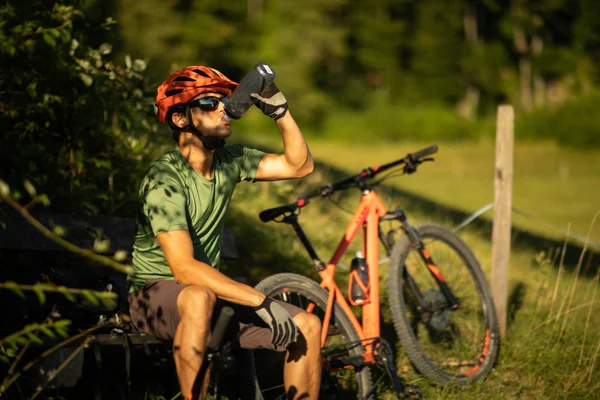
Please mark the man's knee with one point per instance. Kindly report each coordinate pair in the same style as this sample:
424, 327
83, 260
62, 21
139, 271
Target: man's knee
197, 299
309, 324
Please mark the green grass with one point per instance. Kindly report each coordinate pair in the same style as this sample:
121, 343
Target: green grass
542, 355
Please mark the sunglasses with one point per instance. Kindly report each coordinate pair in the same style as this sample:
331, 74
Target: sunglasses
209, 103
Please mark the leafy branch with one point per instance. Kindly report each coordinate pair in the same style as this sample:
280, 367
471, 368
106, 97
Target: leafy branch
94, 65
11, 378
43, 31
30, 333
23, 210
108, 299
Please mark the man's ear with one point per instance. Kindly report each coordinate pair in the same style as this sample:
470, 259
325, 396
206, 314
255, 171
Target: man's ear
180, 119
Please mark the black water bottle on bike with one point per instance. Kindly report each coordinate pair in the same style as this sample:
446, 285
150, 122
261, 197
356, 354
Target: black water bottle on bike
359, 280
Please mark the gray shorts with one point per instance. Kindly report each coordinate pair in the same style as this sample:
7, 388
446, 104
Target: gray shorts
153, 310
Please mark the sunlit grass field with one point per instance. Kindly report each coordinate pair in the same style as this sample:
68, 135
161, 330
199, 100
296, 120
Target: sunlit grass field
552, 342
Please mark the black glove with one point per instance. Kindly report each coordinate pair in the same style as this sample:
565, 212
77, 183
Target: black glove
283, 329
271, 101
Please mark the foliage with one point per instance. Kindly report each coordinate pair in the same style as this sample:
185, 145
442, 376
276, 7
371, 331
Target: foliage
334, 57
108, 299
10, 344
16, 344
75, 122
399, 122
573, 123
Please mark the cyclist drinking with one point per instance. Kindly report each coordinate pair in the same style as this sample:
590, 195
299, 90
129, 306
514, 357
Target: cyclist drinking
176, 288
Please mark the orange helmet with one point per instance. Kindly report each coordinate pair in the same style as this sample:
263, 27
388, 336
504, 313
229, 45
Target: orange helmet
187, 83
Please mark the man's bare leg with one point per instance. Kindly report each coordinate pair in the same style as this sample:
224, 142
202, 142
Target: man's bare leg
302, 371
195, 305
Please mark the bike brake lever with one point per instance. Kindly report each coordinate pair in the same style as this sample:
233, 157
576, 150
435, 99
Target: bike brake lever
410, 168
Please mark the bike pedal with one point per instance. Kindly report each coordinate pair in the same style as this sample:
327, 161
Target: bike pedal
411, 392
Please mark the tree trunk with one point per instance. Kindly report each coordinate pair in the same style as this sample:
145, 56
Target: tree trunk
539, 84
522, 48
469, 105
255, 10
525, 79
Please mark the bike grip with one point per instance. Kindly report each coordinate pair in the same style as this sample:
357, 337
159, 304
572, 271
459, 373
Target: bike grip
222, 322
272, 213
425, 152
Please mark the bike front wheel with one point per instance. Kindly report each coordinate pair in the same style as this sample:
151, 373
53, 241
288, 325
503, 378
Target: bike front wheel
342, 341
444, 343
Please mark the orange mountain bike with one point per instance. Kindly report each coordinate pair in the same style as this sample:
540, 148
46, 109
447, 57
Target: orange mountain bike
440, 301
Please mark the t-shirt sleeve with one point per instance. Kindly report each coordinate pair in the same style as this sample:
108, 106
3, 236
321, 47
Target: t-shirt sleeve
163, 200
248, 160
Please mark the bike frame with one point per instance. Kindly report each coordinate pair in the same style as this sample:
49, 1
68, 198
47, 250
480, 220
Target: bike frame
367, 216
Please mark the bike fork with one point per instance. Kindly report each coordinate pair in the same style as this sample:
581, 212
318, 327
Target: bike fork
417, 244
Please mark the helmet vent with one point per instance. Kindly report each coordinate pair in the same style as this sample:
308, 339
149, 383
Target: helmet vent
200, 72
184, 78
173, 92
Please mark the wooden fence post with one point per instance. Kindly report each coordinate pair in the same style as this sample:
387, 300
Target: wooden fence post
503, 175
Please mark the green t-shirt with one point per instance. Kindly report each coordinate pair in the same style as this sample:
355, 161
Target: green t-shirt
174, 196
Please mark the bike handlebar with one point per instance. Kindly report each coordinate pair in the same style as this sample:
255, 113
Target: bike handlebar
410, 161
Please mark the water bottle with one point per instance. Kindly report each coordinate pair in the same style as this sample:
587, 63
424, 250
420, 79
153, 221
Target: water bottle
359, 271
255, 81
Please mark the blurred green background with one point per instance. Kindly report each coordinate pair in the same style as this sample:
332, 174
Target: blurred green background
79, 79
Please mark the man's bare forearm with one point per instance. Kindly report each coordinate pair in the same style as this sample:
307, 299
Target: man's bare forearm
199, 273
296, 150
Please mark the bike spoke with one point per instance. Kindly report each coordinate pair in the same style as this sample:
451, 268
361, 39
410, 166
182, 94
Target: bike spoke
344, 371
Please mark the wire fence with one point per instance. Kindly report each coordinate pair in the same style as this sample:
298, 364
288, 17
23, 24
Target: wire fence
531, 217
482, 210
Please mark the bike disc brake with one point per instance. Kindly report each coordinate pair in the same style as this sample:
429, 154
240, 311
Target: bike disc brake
434, 300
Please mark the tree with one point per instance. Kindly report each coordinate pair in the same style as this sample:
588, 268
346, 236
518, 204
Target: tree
376, 40
438, 47
75, 127
75, 122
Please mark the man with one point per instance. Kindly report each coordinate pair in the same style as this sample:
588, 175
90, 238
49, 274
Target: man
176, 287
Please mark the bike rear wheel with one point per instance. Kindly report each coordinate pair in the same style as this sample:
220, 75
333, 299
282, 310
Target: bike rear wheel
444, 345
308, 295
